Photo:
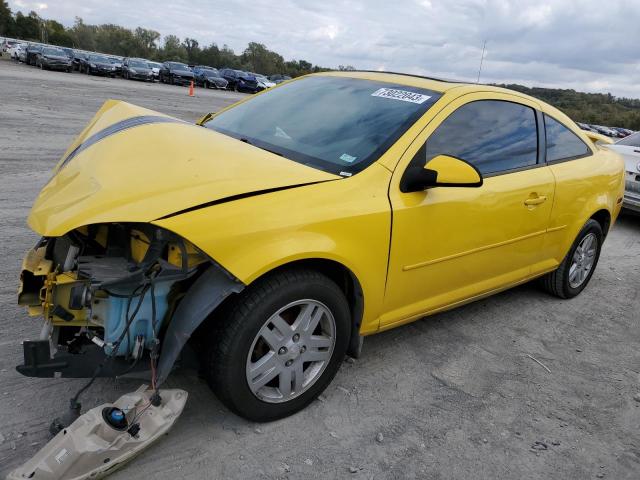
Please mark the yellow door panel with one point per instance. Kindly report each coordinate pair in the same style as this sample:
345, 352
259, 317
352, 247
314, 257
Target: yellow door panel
450, 244
453, 243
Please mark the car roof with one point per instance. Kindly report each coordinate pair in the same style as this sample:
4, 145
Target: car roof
453, 87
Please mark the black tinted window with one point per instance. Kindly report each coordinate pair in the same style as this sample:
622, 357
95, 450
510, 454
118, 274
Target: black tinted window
561, 142
493, 135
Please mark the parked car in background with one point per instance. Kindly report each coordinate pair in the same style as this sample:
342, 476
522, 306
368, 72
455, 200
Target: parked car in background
79, 59
279, 78
609, 132
176, 73
98, 65
54, 58
239, 80
586, 127
22, 54
32, 53
263, 82
117, 63
136, 69
14, 50
155, 68
7, 44
629, 148
208, 77
623, 131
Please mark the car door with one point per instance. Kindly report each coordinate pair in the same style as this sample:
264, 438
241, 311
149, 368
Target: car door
452, 244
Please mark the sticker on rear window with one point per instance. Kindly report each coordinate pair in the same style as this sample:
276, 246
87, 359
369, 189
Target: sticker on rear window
402, 95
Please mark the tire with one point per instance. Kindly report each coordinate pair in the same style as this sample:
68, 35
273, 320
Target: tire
561, 281
235, 334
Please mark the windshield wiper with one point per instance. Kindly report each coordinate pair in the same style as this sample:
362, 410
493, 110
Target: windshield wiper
246, 140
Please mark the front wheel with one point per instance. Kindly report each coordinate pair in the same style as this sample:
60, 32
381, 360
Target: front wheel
279, 345
577, 268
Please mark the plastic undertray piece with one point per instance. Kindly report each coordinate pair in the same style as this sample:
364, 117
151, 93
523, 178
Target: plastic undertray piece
91, 448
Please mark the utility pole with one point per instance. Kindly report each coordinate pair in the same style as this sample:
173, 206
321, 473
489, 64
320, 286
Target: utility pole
481, 59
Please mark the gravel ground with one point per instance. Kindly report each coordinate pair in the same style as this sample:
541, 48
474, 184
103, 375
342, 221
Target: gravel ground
453, 396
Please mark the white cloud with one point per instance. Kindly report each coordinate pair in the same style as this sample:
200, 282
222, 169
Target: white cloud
563, 43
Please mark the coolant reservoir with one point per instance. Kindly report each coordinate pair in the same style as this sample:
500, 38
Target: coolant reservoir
111, 313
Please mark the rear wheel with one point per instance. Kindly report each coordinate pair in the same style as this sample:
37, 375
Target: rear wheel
279, 345
577, 268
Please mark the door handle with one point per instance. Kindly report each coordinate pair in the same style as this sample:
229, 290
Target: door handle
537, 200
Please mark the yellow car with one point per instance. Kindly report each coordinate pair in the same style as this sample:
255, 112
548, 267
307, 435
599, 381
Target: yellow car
274, 235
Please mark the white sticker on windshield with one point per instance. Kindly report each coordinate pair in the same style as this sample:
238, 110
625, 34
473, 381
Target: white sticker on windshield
345, 157
402, 95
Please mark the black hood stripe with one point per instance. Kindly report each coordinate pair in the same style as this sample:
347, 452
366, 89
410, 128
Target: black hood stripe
116, 128
238, 197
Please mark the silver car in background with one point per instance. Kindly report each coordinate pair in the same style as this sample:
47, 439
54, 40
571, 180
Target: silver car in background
629, 148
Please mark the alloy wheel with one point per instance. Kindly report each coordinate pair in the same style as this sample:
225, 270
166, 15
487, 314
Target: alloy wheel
291, 351
583, 260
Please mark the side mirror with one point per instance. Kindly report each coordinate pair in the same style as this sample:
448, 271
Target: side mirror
440, 171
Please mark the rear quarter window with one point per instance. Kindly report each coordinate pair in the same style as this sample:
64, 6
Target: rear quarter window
562, 143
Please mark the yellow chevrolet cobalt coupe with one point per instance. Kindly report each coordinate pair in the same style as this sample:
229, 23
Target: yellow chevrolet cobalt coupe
268, 239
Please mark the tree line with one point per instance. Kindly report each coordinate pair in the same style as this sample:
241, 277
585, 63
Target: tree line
601, 109
593, 108
146, 43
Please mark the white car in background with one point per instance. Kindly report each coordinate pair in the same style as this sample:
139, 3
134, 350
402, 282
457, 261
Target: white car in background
629, 148
155, 68
263, 82
14, 50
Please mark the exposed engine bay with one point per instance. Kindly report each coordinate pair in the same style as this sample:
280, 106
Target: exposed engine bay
106, 292
117, 299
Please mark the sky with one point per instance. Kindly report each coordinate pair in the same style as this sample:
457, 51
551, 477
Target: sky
587, 45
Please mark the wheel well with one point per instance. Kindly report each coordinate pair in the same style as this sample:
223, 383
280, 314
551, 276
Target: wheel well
341, 275
603, 217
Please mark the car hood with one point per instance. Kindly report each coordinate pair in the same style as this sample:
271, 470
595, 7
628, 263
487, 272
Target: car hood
131, 164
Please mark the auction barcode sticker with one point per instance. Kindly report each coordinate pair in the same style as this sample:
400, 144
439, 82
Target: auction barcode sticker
402, 95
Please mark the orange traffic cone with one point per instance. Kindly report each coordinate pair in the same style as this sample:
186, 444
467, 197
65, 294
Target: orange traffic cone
191, 94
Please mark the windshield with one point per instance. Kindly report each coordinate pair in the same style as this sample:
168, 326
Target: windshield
340, 125
98, 59
54, 51
632, 140
137, 64
210, 72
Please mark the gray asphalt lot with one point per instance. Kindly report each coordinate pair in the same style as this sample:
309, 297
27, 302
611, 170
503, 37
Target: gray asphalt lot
455, 396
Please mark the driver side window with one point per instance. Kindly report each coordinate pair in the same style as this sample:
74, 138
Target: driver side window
493, 135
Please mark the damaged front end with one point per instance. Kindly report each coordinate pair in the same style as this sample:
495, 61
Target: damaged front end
114, 298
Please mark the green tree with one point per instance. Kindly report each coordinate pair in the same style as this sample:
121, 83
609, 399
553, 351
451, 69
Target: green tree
173, 49
146, 42
83, 35
192, 48
28, 27
57, 34
7, 22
